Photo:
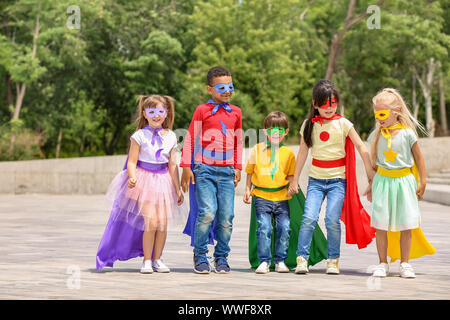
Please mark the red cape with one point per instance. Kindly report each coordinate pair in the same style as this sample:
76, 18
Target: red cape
355, 217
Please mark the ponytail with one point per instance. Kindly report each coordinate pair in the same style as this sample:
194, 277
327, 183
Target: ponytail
307, 131
170, 106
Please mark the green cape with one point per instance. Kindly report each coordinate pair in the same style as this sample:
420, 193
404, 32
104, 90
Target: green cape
318, 249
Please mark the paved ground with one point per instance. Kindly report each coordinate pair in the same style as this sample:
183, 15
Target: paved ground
50, 241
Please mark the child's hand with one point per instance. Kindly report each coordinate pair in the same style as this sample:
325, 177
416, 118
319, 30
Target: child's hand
237, 177
371, 175
420, 191
247, 195
186, 177
293, 188
368, 192
132, 183
180, 197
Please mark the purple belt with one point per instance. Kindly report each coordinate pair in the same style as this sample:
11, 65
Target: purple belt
151, 167
154, 167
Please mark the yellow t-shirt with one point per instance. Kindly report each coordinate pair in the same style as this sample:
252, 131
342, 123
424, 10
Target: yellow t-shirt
270, 175
328, 144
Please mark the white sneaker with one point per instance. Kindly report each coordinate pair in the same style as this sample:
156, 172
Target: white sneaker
332, 266
159, 266
302, 265
263, 268
406, 271
147, 267
381, 270
281, 267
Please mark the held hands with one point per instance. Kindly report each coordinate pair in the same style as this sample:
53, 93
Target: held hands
293, 187
247, 196
368, 192
180, 197
420, 191
186, 178
132, 183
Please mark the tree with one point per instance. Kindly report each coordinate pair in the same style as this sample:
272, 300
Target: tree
350, 20
269, 50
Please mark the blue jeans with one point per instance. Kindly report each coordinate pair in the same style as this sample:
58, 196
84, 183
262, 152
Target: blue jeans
264, 210
214, 188
334, 190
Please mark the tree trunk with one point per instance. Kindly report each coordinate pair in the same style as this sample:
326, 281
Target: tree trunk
443, 111
426, 84
58, 144
22, 86
337, 38
9, 92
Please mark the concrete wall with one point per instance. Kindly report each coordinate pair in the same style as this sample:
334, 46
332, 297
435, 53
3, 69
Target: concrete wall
92, 175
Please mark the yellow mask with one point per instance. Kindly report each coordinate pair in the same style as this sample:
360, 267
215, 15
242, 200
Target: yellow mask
382, 114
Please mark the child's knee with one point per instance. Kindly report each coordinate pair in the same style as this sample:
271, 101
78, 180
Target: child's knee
206, 217
264, 229
309, 222
283, 226
332, 222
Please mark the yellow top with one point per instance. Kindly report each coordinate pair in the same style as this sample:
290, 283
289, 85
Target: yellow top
328, 142
270, 175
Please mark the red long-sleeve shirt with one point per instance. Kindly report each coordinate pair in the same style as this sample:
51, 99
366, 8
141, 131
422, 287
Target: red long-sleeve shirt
216, 133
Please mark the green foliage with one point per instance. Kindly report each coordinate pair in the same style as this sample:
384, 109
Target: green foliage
26, 144
85, 82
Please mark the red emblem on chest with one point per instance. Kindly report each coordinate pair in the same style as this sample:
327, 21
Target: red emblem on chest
324, 136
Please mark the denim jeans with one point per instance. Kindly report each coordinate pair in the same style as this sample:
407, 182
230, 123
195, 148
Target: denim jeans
264, 210
334, 190
214, 188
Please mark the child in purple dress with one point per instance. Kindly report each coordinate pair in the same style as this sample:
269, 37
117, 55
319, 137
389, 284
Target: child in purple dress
146, 193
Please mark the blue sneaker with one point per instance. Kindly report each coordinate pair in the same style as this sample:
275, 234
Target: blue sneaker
201, 264
221, 265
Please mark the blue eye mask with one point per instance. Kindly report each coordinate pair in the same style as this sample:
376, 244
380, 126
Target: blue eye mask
158, 111
224, 87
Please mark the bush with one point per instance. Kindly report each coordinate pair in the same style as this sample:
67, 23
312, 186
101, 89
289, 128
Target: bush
26, 144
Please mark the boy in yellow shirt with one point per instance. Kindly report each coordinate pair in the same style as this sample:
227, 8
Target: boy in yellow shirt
270, 169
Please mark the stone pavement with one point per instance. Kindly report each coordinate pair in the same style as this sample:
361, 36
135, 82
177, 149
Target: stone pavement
49, 244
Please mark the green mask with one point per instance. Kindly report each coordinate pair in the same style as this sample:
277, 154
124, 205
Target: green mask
271, 130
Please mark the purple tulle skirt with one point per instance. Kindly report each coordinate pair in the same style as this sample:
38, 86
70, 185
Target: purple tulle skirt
150, 205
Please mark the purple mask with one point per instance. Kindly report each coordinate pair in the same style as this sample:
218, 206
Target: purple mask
158, 111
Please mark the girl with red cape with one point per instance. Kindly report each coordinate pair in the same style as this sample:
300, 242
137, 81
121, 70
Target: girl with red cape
332, 140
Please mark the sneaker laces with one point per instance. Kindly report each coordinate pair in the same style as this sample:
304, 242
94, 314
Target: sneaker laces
159, 263
203, 259
332, 263
380, 267
407, 267
221, 260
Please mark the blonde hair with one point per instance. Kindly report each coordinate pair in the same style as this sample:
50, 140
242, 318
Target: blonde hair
153, 101
392, 99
